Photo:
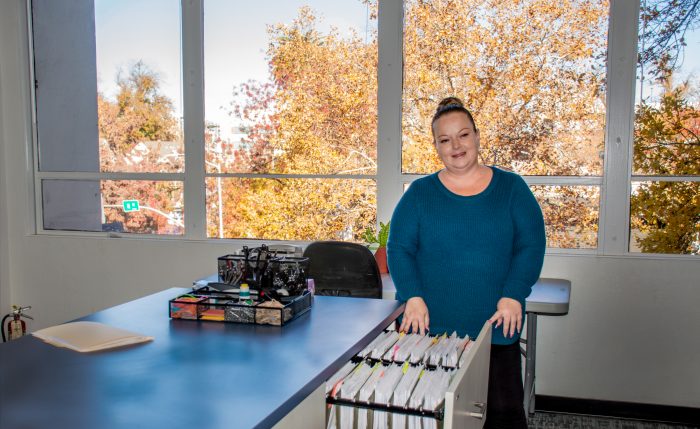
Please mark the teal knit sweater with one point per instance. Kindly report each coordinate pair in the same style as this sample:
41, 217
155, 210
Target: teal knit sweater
462, 254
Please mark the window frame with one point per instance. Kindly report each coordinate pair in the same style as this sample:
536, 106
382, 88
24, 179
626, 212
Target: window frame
614, 183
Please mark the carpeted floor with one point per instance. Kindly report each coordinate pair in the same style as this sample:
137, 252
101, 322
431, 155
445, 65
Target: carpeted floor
542, 420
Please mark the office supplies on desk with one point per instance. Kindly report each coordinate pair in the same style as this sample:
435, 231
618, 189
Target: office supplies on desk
212, 304
265, 269
87, 336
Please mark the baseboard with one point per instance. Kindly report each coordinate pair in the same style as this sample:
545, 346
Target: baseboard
625, 410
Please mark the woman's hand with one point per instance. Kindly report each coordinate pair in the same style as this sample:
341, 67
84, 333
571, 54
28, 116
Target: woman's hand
415, 316
509, 312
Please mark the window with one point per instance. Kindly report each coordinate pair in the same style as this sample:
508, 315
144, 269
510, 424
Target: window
665, 189
291, 119
109, 115
306, 120
533, 75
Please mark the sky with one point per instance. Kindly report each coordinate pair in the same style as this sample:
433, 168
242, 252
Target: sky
235, 40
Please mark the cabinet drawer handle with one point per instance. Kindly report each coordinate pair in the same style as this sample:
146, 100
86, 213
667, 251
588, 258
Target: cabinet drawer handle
479, 415
471, 414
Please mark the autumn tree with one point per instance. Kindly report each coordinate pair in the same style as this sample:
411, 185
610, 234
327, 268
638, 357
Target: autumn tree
139, 132
666, 215
316, 115
531, 71
139, 113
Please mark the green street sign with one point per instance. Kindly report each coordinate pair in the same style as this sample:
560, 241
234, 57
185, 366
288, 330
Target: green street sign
130, 205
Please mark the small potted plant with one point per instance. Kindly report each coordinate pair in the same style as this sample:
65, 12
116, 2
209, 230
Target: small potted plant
377, 242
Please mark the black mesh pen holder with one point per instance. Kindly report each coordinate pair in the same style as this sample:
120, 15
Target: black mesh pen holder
264, 270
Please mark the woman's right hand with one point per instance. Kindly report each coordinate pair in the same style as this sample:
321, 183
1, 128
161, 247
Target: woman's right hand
415, 316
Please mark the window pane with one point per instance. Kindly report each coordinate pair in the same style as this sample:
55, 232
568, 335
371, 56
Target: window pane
72, 205
665, 217
531, 71
570, 215
290, 209
64, 68
667, 120
139, 100
159, 208
291, 86
145, 207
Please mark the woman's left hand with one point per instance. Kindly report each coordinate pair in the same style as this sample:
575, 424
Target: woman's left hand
509, 312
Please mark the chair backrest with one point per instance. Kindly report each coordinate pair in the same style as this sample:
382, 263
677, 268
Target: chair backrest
343, 269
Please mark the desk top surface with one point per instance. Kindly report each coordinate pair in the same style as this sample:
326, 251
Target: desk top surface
194, 374
549, 296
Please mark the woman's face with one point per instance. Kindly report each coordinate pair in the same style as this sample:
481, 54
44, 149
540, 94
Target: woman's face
456, 142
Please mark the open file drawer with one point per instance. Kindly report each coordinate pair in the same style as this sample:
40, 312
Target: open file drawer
464, 405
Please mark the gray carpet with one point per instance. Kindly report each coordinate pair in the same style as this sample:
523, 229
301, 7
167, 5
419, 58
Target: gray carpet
542, 420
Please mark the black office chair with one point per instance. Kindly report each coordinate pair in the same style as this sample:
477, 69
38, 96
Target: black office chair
343, 269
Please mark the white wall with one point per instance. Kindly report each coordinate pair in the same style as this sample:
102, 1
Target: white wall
629, 336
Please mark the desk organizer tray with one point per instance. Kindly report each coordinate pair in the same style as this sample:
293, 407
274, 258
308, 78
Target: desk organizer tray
206, 303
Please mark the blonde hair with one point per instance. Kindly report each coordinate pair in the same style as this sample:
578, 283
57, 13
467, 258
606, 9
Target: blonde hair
447, 105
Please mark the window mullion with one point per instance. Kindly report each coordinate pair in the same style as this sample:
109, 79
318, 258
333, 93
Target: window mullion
193, 120
389, 101
622, 62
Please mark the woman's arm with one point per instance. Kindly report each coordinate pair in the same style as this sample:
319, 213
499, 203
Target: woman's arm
526, 263
402, 248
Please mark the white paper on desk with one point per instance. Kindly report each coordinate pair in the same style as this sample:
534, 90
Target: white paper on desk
403, 392
89, 336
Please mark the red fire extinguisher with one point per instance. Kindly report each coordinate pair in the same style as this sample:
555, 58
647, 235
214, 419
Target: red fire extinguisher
15, 327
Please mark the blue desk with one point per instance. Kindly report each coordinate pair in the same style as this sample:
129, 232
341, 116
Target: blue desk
196, 374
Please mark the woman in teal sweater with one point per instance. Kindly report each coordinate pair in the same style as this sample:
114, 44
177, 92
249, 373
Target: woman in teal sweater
466, 245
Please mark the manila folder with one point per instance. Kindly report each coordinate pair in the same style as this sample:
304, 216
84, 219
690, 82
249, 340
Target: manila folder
89, 336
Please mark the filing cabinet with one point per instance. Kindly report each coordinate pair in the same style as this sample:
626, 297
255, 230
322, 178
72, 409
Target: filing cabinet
464, 406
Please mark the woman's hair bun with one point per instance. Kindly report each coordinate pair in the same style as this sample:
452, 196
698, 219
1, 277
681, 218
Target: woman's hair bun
449, 103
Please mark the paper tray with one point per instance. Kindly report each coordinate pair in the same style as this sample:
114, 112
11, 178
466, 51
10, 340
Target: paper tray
206, 303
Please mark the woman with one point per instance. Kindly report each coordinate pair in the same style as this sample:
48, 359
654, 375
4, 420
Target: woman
466, 245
